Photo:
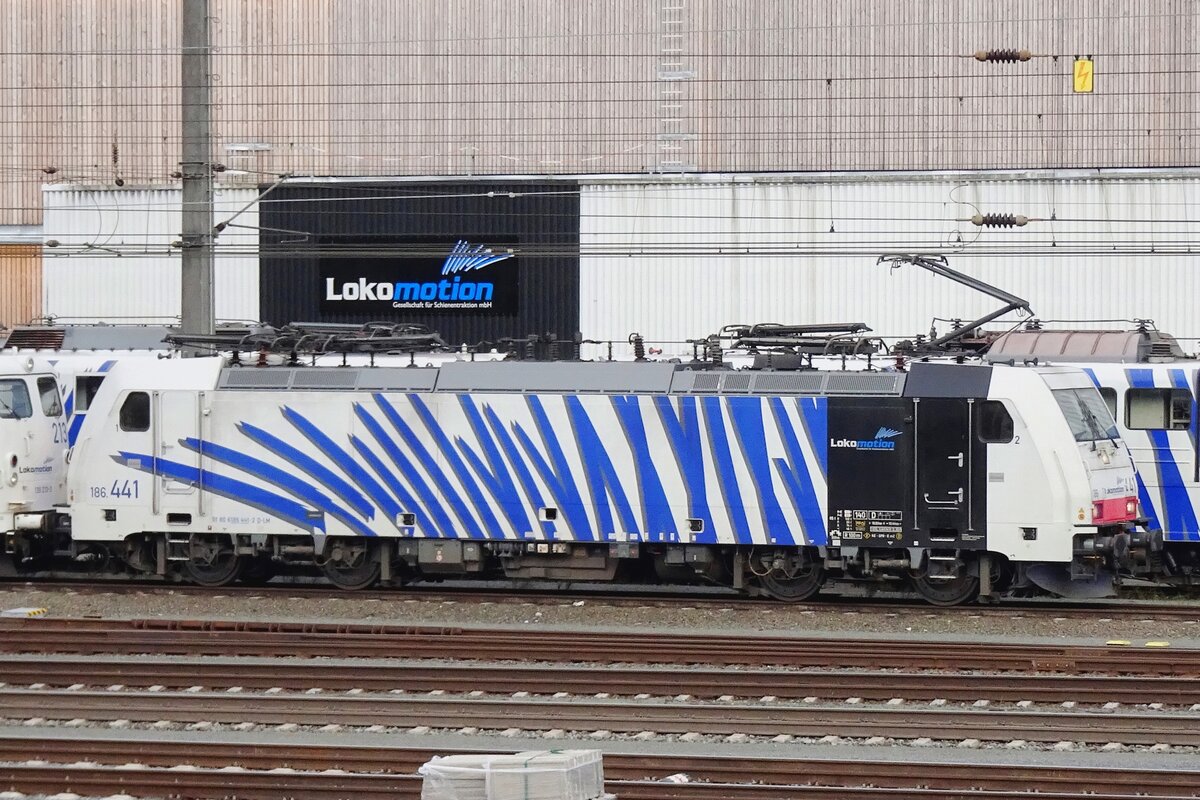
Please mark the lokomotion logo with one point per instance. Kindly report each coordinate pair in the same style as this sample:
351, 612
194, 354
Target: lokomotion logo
449, 292
884, 440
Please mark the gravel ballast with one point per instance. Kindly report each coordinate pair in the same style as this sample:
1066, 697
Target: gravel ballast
567, 612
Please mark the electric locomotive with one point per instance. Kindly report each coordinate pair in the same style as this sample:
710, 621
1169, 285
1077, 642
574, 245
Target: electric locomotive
957, 480
33, 446
1150, 387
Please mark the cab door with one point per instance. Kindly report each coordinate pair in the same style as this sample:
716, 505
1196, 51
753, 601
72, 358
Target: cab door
179, 484
945, 470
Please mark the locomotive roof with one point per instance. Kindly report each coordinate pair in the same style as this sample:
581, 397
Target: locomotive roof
1135, 346
923, 379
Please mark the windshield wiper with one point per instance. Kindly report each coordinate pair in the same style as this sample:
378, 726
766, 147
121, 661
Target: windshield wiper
1089, 418
1107, 433
1093, 421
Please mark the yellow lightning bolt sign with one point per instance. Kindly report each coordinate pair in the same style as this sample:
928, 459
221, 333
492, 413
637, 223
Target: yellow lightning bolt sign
1084, 73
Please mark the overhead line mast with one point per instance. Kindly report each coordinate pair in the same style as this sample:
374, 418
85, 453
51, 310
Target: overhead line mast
196, 303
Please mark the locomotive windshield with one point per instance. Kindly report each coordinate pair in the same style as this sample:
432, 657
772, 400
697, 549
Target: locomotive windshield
14, 400
1087, 414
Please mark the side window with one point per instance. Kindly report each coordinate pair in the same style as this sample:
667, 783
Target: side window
1110, 399
1181, 410
1158, 409
135, 412
48, 392
14, 399
993, 422
86, 387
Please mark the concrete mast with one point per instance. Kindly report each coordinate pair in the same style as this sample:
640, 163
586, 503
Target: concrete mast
196, 167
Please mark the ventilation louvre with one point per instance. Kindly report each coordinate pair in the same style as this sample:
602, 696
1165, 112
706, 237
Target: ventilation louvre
863, 383
40, 338
325, 378
736, 382
790, 383
254, 378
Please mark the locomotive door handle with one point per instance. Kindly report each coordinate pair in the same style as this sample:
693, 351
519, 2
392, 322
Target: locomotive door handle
958, 459
956, 494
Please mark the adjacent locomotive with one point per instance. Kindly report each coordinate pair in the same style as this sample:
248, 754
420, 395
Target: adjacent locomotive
33, 445
1151, 388
955, 479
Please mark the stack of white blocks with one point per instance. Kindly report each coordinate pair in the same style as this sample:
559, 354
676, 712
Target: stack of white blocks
531, 775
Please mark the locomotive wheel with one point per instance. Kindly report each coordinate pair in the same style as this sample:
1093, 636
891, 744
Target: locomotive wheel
796, 587
962, 588
213, 562
351, 563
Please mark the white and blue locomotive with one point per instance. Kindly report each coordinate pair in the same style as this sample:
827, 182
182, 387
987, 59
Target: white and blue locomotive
40, 414
955, 479
1151, 388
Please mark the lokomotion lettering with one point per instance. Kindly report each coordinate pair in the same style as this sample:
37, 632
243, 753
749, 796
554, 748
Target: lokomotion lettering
863, 444
471, 278
445, 290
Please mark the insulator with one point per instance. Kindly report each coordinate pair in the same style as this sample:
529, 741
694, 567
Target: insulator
639, 346
713, 351
1003, 56
1000, 220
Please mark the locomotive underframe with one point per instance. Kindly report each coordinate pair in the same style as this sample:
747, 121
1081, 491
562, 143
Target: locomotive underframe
941, 576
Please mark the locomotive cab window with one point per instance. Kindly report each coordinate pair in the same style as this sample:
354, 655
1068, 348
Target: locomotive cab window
993, 423
14, 399
48, 393
135, 412
1110, 399
86, 387
1158, 409
1086, 414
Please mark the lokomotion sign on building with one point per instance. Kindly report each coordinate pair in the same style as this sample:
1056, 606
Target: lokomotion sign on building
471, 276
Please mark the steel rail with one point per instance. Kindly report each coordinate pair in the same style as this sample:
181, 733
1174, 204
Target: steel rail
232, 638
100, 781
720, 719
669, 597
637, 775
747, 791
549, 678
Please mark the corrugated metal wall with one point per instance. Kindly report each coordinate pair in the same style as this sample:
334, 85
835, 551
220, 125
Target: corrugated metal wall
20, 283
304, 223
709, 254
459, 87
114, 259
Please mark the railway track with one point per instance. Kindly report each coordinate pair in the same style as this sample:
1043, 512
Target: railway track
315, 772
615, 716
629, 680
101, 781
233, 638
565, 595
152, 678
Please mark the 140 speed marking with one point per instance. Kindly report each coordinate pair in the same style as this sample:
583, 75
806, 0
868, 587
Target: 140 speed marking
120, 488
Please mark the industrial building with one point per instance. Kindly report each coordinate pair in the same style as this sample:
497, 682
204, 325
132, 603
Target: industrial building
665, 166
